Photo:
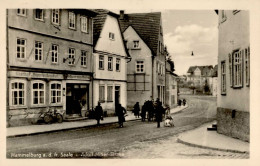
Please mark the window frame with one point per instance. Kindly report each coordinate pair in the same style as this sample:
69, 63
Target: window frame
237, 66
101, 60
39, 96
56, 90
134, 44
71, 56
20, 14
118, 62
24, 93
110, 63
83, 59
20, 46
111, 36
108, 94
247, 66
102, 100
223, 78
74, 18
42, 14
55, 11
39, 50
55, 53
85, 28
136, 66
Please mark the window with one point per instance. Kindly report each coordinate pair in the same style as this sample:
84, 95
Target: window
111, 36
139, 66
54, 53
56, 16
21, 12
21, 48
38, 48
247, 66
72, 20
101, 62
110, 63
136, 44
101, 93
71, 56
55, 90
84, 24
223, 77
117, 64
237, 69
109, 93
39, 14
17, 90
84, 58
38, 93
235, 11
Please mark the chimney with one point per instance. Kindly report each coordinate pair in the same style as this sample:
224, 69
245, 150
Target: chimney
122, 13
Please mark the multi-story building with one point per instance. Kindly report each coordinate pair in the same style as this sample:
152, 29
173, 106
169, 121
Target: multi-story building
146, 71
49, 58
171, 94
233, 110
110, 58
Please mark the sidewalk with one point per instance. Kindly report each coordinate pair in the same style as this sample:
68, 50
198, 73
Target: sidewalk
43, 128
201, 137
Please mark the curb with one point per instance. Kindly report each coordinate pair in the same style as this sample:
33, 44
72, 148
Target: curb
180, 110
207, 147
64, 129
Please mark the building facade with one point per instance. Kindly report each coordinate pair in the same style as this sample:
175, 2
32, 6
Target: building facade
110, 60
233, 110
49, 62
146, 70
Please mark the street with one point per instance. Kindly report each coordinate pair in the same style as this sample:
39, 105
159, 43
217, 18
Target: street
136, 140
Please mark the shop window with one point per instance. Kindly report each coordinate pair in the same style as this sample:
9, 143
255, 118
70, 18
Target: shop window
39, 14
110, 93
21, 48
17, 93
101, 93
55, 91
84, 58
139, 66
56, 16
117, 64
38, 51
72, 20
84, 24
38, 92
110, 63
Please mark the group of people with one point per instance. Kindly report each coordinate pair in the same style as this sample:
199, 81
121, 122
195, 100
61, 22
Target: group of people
180, 102
151, 109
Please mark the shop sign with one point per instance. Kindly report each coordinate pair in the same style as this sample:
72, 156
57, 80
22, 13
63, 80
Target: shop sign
34, 75
78, 77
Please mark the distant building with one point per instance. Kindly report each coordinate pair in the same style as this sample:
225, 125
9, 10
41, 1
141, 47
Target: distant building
146, 71
233, 74
49, 62
214, 84
110, 61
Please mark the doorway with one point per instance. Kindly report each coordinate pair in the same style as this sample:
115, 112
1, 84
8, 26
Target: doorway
117, 96
77, 96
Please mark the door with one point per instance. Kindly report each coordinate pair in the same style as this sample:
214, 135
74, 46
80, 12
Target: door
117, 96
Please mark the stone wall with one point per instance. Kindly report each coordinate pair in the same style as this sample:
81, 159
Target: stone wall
233, 123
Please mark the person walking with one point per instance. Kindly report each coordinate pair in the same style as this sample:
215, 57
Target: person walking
159, 112
136, 110
184, 102
120, 112
99, 113
150, 109
143, 112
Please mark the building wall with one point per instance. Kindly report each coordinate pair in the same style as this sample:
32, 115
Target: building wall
233, 35
214, 86
115, 49
171, 90
139, 85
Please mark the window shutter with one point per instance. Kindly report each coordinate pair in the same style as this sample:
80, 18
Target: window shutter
231, 69
242, 67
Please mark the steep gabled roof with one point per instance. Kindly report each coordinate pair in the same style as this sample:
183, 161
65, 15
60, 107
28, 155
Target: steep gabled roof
147, 25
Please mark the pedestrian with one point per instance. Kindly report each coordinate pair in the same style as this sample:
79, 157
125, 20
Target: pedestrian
159, 111
143, 112
184, 102
150, 109
120, 112
99, 113
136, 110
179, 102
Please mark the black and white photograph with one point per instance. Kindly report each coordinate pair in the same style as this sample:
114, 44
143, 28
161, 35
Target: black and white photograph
139, 80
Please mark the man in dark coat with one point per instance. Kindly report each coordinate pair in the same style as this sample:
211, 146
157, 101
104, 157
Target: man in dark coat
159, 112
143, 112
98, 113
150, 109
136, 109
120, 112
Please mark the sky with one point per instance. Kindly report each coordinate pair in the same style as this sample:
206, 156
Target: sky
186, 31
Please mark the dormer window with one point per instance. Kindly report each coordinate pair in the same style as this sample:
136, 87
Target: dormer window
21, 12
111, 36
136, 44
